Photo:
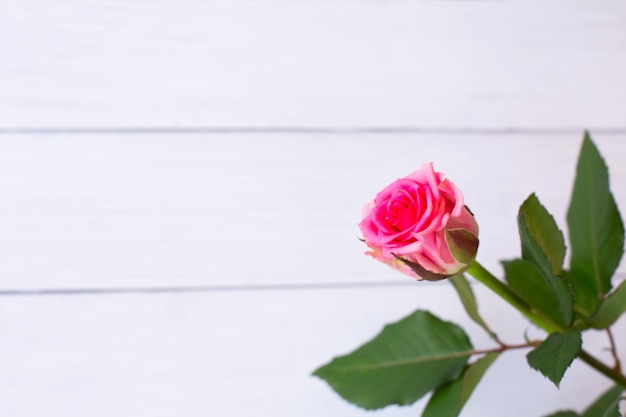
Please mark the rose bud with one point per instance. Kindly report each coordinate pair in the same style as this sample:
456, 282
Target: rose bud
420, 226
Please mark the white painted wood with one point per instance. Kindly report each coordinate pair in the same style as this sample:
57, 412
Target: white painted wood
445, 64
133, 211
89, 211
234, 354
94, 211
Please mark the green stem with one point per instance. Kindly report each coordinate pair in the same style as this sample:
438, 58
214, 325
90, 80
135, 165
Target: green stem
611, 373
485, 277
494, 284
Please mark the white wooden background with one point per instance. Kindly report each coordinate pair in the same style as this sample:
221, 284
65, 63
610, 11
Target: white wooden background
180, 184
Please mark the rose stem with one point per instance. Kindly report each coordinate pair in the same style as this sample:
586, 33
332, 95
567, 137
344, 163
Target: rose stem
618, 365
611, 373
485, 277
494, 284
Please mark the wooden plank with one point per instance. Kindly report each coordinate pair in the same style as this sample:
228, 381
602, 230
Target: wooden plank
91, 211
311, 63
240, 353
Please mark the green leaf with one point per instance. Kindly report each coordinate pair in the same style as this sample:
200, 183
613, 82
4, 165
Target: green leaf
567, 413
596, 230
448, 400
463, 288
548, 295
611, 308
555, 354
607, 405
544, 247
542, 241
401, 364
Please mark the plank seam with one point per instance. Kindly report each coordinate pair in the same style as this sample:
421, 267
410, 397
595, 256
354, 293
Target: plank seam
205, 288
307, 130
227, 288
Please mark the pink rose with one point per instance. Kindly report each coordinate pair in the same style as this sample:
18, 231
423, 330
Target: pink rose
420, 225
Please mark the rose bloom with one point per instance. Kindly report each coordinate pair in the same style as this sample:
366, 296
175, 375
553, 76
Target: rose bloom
420, 226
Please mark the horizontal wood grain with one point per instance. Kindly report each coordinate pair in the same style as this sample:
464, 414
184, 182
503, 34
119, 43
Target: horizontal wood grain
233, 354
180, 184
90, 211
436, 64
